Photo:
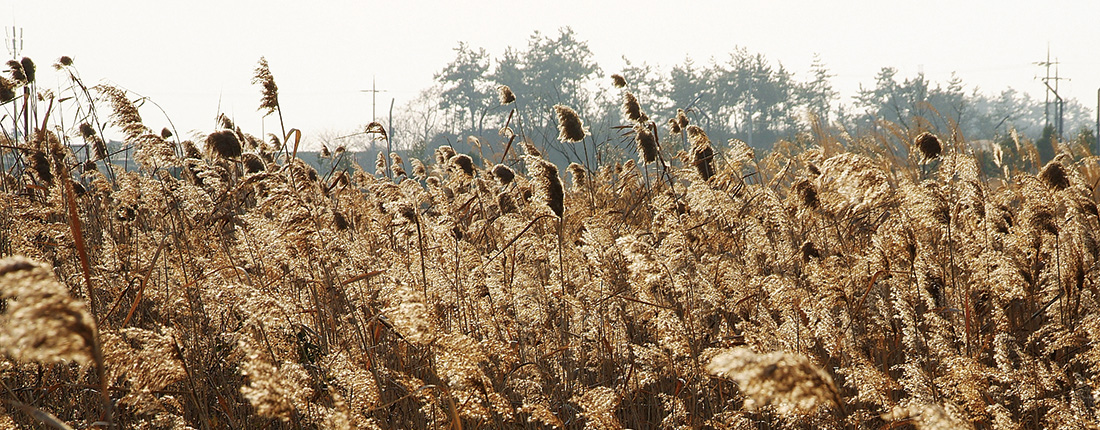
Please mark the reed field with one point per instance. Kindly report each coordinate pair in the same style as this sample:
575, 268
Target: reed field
899, 279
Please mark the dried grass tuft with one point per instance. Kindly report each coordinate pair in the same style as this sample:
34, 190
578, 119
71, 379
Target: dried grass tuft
790, 383
42, 322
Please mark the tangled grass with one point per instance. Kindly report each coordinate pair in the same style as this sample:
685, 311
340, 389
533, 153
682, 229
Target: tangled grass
829, 283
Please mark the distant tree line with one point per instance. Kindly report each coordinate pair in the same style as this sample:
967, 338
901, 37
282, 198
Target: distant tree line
742, 96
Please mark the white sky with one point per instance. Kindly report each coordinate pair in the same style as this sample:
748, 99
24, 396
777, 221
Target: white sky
189, 56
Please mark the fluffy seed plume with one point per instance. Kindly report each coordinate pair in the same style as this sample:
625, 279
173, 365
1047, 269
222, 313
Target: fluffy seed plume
87, 131
42, 322
124, 115
506, 95
702, 153
789, 382
380, 164
544, 175
682, 118
270, 99
504, 174
252, 163
631, 108
569, 125
464, 163
28, 69
618, 80
647, 143
224, 144
444, 153
1054, 175
580, 176
929, 145
15, 68
41, 166
674, 126
807, 194
7, 90
419, 171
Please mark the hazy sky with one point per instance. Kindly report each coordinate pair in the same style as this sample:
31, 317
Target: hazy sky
189, 56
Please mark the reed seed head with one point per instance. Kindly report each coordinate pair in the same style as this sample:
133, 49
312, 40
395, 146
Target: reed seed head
252, 163
929, 145
631, 108
647, 143
269, 101
506, 95
15, 68
503, 173
464, 163
443, 154
618, 80
28, 69
87, 131
224, 144
1054, 176
569, 124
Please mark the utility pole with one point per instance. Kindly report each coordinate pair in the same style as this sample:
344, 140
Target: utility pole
373, 102
14, 43
1046, 103
373, 97
1059, 105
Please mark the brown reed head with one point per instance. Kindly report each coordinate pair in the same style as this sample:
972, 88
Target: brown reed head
631, 108
28, 68
464, 163
506, 95
807, 194
1054, 175
503, 173
647, 143
224, 144
618, 80
269, 101
15, 69
569, 125
929, 145
87, 131
443, 154
252, 163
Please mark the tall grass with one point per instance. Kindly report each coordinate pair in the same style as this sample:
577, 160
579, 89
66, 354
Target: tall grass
834, 282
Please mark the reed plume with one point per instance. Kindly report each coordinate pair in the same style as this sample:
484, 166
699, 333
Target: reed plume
618, 80
569, 125
506, 95
269, 100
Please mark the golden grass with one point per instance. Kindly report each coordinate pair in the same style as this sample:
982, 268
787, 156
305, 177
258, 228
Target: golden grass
823, 284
